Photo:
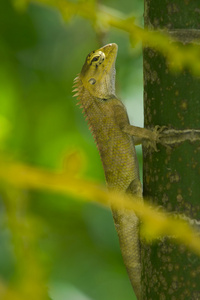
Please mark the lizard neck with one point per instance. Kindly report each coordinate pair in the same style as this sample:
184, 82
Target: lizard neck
96, 112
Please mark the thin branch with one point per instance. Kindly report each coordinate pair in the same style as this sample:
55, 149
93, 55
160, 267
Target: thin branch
155, 224
183, 56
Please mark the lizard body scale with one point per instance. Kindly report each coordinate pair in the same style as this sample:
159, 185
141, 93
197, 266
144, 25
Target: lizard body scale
109, 123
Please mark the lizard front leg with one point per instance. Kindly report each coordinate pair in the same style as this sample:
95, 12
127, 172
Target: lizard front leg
161, 134
144, 135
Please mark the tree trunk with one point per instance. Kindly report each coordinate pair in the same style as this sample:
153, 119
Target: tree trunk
172, 175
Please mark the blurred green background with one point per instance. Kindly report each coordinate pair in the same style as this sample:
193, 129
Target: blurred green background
40, 55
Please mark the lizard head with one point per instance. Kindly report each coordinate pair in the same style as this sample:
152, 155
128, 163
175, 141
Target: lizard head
98, 72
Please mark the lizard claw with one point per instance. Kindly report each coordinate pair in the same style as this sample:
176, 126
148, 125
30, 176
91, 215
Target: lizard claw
156, 137
160, 132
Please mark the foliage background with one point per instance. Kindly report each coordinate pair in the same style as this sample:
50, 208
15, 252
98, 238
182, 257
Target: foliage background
75, 244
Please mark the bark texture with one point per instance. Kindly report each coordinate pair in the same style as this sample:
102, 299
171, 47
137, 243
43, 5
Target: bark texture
172, 175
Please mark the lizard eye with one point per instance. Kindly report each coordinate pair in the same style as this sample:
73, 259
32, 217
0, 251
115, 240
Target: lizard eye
96, 58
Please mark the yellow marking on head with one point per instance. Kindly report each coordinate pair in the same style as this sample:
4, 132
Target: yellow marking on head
95, 58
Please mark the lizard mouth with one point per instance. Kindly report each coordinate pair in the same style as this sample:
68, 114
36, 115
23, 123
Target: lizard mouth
110, 47
110, 51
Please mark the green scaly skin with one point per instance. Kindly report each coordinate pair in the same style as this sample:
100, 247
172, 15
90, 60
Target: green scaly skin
108, 121
115, 137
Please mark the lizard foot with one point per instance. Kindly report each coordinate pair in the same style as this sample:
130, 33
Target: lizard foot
155, 137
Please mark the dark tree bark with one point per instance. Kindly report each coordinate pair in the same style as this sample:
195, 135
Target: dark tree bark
172, 175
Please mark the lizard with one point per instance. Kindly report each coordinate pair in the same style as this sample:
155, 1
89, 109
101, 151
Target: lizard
114, 136
116, 140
